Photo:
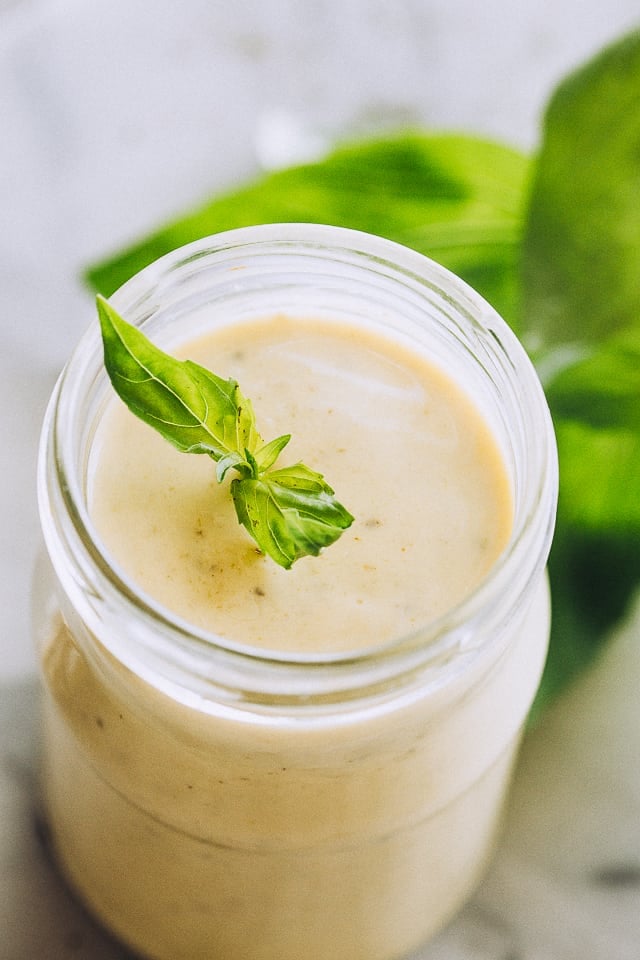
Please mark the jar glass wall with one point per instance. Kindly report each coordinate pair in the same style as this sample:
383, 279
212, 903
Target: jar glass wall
209, 798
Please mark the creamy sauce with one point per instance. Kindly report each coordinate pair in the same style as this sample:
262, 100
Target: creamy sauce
402, 446
273, 837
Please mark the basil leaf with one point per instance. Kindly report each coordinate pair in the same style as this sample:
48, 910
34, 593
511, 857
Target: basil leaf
582, 242
601, 388
267, 455
457, 199
192, 408
581, 319
290, 513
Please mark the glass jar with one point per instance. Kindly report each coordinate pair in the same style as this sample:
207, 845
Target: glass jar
208, 800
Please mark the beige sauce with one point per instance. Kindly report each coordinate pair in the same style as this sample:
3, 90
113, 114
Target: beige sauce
401, 445
197, 836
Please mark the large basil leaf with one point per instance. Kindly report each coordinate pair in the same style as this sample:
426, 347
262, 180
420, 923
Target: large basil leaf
581, 319
457, 199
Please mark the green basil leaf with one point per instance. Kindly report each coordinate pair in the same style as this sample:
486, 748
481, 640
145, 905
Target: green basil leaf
192, 408
581, 320
582, 241
457, 199
291, 513
267, 455
592, 573
602, 387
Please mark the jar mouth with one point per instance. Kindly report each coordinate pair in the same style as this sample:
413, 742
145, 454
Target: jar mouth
100, 591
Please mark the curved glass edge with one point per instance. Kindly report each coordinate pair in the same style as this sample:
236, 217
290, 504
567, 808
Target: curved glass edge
156, 640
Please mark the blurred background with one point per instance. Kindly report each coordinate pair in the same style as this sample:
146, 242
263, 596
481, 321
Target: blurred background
117, 116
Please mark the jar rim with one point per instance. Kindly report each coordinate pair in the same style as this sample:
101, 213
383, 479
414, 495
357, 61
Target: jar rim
435, 642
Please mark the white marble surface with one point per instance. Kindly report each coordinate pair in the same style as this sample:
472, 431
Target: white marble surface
114, 115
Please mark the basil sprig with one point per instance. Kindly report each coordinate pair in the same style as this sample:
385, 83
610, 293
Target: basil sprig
290, 512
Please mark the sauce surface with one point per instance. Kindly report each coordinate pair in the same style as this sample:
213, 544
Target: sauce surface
401, 444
